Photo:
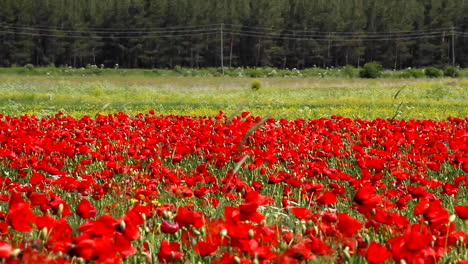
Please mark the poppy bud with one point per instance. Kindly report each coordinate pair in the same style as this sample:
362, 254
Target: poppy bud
44, 233
60, 210
452, 218
167, 215
346, 252
122, 225
223, 232
316, 229
403, 261
237, 260
255, 261
196, 232
15, 253
367, 238
283, 245
251, 233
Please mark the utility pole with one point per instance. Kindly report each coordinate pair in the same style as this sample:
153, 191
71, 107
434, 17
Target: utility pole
222, 48
453, 46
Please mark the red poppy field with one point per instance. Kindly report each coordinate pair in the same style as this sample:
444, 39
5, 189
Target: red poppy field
197, 189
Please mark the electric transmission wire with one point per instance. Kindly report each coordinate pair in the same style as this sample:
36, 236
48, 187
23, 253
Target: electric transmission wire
121, 29
340, 32
111, 37
237, 30
332, 39
141, 30
333, 36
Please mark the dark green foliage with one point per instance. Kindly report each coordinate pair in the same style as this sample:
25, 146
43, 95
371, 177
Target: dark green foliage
371, 70
256, 85
68, 35
433, 72
29, 67
412, 73
350, 71
451, 71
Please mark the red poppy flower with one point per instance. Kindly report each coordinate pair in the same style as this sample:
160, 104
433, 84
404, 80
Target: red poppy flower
366, 199
299, 251
38, 198
85, 209
20, 217
84, 249
317, 246
348, 225
327, 198
123, 245
377, 253
436, 214
301, 213
462, 211
5, 250
204, 248
168, 252
187, 217
169, 227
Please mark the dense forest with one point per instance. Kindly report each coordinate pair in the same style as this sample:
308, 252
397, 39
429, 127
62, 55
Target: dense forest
235, 33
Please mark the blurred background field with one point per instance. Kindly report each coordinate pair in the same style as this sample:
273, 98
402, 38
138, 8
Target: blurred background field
278, 97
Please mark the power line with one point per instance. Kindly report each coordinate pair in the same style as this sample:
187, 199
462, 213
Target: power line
340, 32
110, 28
111, 37
335, 39
112, 32
244, 29
334, 36
144, 33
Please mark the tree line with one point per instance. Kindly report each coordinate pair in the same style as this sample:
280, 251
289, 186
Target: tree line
235, 33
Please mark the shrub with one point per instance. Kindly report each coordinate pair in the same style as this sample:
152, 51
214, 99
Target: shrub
451, 71
255, 85
433, 72
29, 67
93, 69
254, 72
371, 70
412, 73
350, 71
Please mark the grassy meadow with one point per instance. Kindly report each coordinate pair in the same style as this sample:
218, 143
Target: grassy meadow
278, 97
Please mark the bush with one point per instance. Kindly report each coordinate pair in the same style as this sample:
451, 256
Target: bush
412, 73
350, 71
29, 67
254, 72
371, 70
255, 85
451, 71
433, 72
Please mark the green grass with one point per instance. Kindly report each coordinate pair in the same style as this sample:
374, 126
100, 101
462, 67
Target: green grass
279, 97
